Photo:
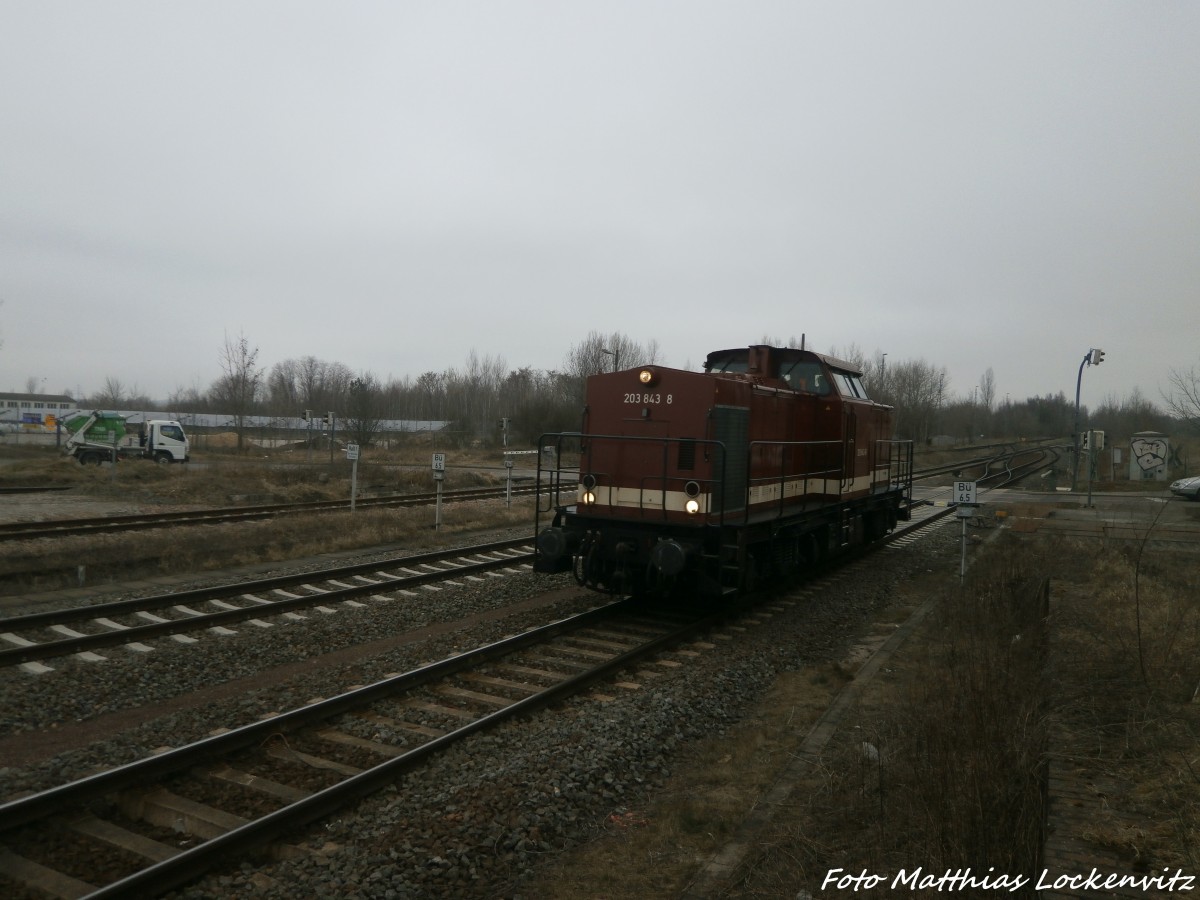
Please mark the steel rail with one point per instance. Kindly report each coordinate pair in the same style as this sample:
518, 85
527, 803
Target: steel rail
274, 606
189, 864
69, 527
14, 531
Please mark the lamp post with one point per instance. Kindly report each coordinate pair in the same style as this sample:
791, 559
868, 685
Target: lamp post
616, 357
1092, 358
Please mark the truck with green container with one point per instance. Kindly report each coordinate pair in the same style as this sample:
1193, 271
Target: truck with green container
101, 436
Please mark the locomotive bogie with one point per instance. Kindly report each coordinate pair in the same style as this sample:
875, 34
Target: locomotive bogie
770, 461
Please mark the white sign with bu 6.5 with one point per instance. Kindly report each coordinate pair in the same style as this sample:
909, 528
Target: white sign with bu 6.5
964, 492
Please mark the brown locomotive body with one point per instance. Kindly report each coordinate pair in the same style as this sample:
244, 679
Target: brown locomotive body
769, 461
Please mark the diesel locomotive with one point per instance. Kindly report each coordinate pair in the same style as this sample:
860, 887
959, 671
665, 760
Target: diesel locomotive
769, 461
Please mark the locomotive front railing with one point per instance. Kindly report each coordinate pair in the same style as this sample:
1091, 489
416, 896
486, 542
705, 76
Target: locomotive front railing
649, 494
779, 473
899, 456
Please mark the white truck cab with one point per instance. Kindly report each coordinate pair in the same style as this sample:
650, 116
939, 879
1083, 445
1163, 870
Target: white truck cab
164, 441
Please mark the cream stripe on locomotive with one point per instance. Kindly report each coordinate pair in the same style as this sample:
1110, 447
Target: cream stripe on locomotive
798, 487
674, 501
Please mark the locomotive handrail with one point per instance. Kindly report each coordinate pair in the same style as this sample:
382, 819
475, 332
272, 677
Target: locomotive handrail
899, 456
786, 474
900, 466
714, 512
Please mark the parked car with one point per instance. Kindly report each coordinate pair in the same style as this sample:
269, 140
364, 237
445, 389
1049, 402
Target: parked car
1187, 487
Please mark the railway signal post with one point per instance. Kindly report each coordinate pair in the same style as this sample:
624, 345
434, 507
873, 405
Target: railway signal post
439, 474
966, 498
508, 472
352, 455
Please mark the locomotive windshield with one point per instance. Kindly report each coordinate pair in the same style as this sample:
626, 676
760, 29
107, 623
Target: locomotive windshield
800, 370
805, 376
849, 385
729, 364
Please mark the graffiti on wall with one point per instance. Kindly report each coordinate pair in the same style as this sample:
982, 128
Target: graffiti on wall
1149, 453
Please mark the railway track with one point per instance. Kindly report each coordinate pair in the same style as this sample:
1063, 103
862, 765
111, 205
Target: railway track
55, 528
31, 640
142, 828
21, 531
997, 471
132, 831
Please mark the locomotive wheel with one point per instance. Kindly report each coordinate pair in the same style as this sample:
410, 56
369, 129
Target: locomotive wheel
877, 525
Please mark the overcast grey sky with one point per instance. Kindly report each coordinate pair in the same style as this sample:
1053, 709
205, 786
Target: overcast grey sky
390, 185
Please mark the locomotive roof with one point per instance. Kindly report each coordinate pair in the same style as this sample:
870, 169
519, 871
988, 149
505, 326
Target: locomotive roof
781, 353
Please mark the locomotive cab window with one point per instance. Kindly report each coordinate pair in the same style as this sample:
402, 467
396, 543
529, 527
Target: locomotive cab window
805, 376
850, 386
730, 364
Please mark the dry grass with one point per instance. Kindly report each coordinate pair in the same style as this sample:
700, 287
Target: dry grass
112, 558
962, 722
940, 765
143, 486
1129, 720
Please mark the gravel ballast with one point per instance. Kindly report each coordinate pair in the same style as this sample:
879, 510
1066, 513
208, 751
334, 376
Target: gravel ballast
477, 821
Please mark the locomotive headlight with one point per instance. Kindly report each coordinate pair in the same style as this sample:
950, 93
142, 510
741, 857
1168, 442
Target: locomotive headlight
692, 507
647, 377
588, 498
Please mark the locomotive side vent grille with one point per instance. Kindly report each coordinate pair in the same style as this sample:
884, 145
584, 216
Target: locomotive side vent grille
731, 427
686, 461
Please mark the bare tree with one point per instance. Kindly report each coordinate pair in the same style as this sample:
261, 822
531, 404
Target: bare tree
1124, 417
987, 389
189, 399
283, 389
1183, 400
307, 383
477, 406
364, 409
918, 392
598, 353
111, 396
240, 384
